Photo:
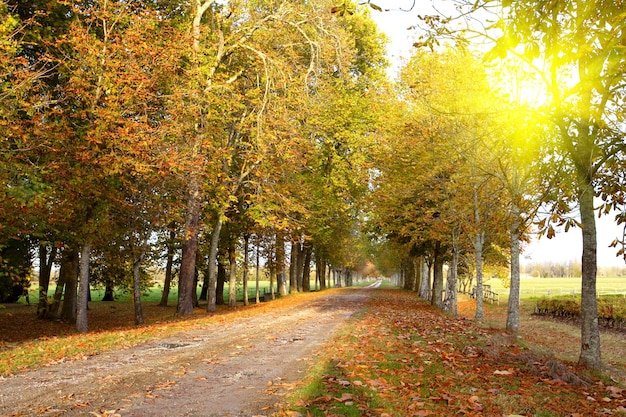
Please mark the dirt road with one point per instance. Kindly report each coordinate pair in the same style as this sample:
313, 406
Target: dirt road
237, 368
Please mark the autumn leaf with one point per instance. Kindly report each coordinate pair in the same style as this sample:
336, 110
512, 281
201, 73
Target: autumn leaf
290, 413
506, 372
344, 397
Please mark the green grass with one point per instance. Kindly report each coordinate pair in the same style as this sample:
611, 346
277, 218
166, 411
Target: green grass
153, 294
535, 287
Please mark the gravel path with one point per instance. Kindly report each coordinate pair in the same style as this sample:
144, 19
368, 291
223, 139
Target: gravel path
236, 368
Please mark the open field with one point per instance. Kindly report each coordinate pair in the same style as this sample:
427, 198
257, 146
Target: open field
536, 287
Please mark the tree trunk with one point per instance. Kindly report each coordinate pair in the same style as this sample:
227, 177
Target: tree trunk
246, 261
406, 274
215, 241
257, 271
272, 280
512, 313
168, 269
82, 325
590, 355
70, 277
329, 283
425, 282
280, 264
306, 268
451, 303
321, 271
435, 297
232, 275
221, 281
317, 275
478, 250
204, 291
53, 311
293, 267
188, 257
194, 292
137, 287
46, 260
415, 279
299, 265
338, 278
349, 278
108, 293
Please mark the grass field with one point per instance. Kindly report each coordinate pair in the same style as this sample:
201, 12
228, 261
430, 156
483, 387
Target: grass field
153, 294
537, 287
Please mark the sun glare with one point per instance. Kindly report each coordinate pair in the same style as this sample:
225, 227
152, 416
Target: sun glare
524, 86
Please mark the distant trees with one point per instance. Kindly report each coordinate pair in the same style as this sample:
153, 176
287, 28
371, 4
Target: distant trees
435, 190
567, 270
553, 270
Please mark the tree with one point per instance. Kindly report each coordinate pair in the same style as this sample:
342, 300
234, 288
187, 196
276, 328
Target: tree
242, 58
443, 181
100, 131
527, 177
25, 72
577, 49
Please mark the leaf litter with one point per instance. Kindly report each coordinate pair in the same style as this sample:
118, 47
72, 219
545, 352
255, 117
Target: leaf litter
405, 358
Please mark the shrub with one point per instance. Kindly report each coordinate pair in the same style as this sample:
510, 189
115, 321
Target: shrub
611, 309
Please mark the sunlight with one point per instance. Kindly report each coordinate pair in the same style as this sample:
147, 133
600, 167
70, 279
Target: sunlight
520, 83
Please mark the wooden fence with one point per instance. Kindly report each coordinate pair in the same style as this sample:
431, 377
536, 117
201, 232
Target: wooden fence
488, 295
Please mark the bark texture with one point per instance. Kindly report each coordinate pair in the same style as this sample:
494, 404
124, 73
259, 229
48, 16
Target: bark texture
590, 334
188, 257
435, 298
46, 260
479, 242
215, 240
232, 276
168, 270
69, 276
82, 324
512, 315
280, 264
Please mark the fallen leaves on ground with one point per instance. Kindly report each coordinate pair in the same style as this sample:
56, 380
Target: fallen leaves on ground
404, 358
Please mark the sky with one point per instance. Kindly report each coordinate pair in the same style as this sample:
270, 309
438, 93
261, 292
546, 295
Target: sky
396, 23
564, 247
